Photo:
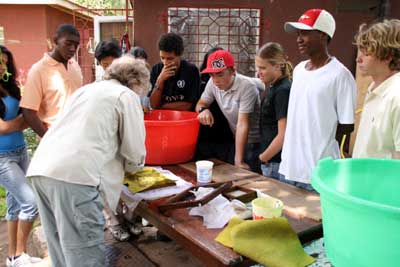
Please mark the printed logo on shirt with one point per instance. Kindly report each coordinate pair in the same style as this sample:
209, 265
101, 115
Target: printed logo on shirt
180, 83
174, 98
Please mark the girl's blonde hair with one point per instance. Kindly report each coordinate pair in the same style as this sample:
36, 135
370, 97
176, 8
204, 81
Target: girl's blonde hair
274, 54
382, 40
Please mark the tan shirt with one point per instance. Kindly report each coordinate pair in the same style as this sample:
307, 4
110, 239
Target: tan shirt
49, 85
99, 135
378, 135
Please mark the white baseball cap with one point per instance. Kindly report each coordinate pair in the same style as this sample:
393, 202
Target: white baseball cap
313, 19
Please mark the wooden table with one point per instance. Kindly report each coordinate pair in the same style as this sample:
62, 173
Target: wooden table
192, 235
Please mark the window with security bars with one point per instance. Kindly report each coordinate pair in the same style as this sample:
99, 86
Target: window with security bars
2, 40
234, 29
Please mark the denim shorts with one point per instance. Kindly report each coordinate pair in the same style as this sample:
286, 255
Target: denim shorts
271, 169
20, 198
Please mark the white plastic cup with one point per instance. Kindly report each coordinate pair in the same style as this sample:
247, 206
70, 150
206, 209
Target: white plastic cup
204, 171
266, 208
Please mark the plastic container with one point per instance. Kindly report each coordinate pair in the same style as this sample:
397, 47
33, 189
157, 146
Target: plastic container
360, 211
171, 136
266, 208
204, 171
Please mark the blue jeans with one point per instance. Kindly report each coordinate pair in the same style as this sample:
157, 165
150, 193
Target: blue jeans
20, 198
251, 156
271, 169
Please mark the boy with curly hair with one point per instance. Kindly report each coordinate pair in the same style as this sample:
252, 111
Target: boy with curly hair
379, 57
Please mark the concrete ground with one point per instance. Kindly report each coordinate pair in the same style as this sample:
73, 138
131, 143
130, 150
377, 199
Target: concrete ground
144, 250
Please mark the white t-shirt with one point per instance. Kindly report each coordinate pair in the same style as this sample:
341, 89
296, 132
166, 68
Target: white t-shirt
319, 99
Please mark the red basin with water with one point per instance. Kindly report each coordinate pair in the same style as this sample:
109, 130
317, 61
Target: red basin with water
171, 136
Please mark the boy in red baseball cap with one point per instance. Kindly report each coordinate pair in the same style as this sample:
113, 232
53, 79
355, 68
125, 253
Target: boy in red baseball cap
322, 99
238, 98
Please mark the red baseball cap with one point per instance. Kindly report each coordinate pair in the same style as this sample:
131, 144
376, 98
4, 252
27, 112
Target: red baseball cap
219, 61
313, 19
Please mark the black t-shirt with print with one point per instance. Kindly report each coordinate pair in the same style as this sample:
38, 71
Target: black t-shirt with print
274, 107
184, 86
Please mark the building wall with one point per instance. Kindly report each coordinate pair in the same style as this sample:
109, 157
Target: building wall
25, 33
395, 9
151, 19
29, 30
55, 17
151, 23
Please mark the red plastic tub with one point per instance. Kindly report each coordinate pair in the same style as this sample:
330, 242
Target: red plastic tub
171, 136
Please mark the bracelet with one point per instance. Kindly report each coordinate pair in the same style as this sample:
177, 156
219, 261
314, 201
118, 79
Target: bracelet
201, 109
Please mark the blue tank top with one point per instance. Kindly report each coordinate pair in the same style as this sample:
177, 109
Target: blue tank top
14, 140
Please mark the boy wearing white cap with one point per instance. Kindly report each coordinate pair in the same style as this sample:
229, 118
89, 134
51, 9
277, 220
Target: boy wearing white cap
322, 100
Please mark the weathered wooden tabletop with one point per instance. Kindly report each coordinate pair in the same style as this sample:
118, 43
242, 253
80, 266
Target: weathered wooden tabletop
190, 232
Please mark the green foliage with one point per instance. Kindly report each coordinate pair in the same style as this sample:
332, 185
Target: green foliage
32, 141
3, 206
101, 4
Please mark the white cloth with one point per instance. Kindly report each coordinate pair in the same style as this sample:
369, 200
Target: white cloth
99, 135
319, 99
219, 211
378, 135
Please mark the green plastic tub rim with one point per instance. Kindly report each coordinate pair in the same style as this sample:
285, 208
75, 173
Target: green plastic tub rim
317, 183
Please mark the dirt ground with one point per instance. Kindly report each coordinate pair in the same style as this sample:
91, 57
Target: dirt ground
156, 253
3, 243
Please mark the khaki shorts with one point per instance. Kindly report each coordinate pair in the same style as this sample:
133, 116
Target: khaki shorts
73, 222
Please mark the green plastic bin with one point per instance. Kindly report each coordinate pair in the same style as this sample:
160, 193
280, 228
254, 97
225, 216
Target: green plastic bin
360, 201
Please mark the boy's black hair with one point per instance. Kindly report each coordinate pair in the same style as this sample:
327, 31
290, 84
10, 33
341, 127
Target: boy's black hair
106, 49
64, 29
171, 42
138, 51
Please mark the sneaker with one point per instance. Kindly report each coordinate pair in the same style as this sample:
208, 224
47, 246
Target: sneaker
119, 233
18, 262
8, 262
30, 258
22, 261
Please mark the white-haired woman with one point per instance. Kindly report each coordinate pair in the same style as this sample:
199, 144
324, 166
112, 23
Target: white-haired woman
99, 135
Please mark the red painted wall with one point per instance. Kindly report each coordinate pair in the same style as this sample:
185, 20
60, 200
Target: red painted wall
26, 39
29, 28
151, 23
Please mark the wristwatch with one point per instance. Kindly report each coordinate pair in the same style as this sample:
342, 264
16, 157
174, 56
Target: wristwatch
201, 109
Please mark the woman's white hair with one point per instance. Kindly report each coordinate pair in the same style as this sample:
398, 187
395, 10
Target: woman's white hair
130, 72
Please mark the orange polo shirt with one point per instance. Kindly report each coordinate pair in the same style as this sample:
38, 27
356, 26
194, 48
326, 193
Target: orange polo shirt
49, 85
